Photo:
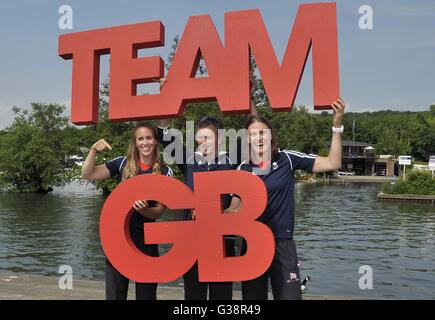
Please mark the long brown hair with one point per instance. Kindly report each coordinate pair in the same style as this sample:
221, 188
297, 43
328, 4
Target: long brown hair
274, 143
131, 169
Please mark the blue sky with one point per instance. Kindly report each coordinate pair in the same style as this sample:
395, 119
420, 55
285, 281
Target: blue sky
389, 67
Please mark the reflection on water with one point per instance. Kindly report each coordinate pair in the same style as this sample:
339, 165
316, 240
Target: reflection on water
342, 227
38, 233
338, 229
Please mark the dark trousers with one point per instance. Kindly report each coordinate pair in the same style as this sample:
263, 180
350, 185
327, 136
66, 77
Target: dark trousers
283, 273
195, 290
117, 284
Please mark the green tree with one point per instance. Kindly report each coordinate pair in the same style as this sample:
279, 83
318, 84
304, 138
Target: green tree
390, 142
423, 142
33, 157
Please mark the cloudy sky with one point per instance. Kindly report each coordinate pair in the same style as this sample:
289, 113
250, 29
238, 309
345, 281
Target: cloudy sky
389, 67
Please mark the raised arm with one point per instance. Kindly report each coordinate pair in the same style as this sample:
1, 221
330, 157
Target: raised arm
333, 160
89, 170
163, 123
167, 138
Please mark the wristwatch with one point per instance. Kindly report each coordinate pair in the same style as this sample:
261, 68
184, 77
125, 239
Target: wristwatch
338, 130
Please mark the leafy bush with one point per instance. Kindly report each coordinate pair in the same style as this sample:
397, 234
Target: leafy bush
417, 183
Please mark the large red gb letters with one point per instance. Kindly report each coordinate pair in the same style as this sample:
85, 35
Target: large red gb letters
200, 240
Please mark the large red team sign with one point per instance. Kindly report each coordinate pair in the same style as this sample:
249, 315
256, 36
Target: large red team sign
228, 65
315, 28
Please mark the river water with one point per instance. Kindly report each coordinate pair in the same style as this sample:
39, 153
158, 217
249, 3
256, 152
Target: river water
339, 228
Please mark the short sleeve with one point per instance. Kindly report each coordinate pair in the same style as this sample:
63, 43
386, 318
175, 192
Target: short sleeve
300, 161
115, 166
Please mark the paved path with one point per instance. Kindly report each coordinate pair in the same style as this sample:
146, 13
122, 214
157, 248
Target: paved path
25, 287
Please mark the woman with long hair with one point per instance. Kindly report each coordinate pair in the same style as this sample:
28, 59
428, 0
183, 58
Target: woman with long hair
276, 168
143, 157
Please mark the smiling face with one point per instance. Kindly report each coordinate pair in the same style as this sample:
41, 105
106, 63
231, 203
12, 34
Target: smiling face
207, 142
145, 142
260, 139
